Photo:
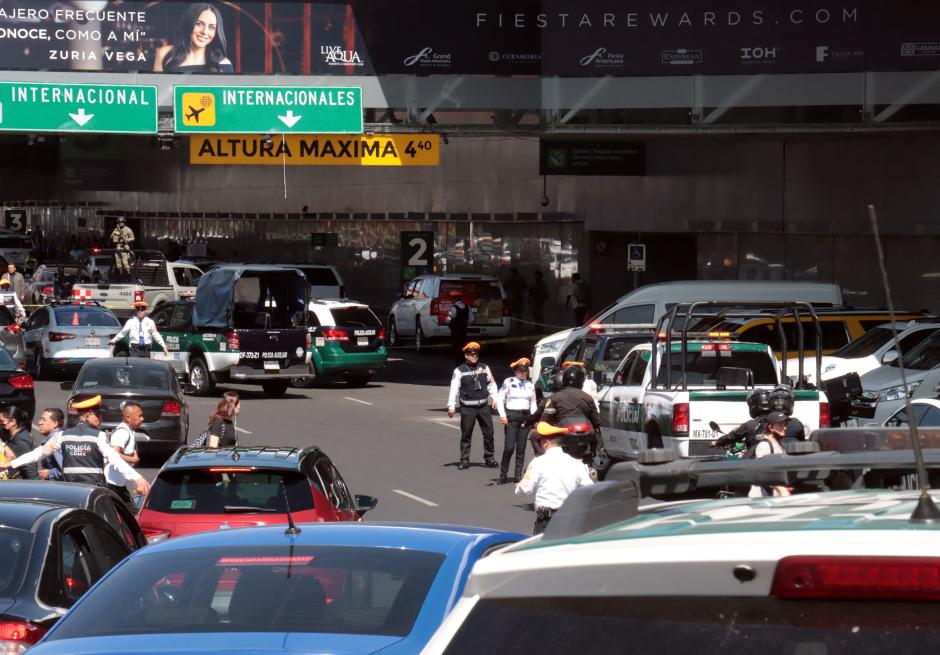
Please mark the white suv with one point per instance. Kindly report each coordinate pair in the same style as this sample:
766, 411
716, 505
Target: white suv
422, 311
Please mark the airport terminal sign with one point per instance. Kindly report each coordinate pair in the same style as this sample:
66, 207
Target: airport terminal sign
268, 109
316, 150
37, 107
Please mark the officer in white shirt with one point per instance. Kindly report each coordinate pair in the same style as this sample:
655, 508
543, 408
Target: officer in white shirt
514, 402
9, 300
141, 331
124, 441
552, 476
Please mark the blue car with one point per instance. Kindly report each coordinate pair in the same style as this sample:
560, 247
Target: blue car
337, 588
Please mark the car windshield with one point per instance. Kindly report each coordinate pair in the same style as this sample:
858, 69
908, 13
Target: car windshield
306, 589
113, 375
85, 316
675, 625
702, 368
925, 356
321, 277
866, 344
356, 317
217, 491
485, 296
15, 546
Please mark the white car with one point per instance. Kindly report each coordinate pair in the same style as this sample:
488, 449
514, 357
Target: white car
325, 281
873, 349
66, 335
927, 412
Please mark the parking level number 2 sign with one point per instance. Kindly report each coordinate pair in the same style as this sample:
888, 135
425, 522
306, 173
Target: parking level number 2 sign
636, 257
417, 254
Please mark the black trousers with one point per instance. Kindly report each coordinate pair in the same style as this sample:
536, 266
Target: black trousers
457, 341
125, 496
514, 443
469, 416
140, 351
542, 516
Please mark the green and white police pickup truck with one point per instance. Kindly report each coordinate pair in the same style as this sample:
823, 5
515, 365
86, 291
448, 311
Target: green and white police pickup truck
711, 385
247, 325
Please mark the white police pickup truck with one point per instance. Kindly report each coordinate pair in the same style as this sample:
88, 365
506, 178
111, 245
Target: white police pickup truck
709, 383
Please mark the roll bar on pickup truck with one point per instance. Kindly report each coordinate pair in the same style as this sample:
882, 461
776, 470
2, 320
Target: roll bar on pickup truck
776, 311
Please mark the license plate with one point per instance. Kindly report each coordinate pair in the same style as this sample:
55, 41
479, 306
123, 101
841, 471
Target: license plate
93, 341
362, 341
704, 434
272, 366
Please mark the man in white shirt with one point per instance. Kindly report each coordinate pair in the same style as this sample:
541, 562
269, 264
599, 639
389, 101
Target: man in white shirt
141, 332
124, 441
9, 299
552, 476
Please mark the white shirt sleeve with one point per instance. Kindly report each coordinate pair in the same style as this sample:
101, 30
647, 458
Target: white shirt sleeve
454, 387
533, 403
491, 383
31, 457
528, 482
120, 438
155, 334
501, 397
115, 460
124, 331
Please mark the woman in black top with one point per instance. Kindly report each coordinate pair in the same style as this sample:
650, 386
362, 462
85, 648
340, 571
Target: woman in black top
17, 439
199, 45
221, 422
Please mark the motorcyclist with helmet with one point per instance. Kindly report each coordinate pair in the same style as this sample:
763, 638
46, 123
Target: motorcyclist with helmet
782, 400
758, 406
567, 406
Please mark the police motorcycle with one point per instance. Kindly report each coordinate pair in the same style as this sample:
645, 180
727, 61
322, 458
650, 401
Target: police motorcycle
760, 402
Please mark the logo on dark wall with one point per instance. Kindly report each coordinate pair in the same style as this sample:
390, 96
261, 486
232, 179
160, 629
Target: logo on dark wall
334, 55
759, 55
428, 58
681, 57
602, 58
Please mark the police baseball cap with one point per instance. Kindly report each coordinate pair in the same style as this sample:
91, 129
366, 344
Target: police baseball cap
522, 362
140, 304
473, 346
4, 282
776, 417
86, 403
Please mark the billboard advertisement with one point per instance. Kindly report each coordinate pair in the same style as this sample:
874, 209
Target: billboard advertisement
486, 37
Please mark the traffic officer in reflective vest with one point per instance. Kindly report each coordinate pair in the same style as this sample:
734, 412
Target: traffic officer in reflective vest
141, 332
473, 385
85, 450
514, 402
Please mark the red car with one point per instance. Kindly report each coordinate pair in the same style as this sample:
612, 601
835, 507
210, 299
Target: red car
201, 490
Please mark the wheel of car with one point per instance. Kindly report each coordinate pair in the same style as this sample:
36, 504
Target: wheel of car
39, 365
419, 335
199, 376
359, 380
393, 337
274, 388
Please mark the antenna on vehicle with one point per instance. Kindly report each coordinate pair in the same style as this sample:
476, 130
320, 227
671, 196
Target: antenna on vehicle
291, 528
926, 510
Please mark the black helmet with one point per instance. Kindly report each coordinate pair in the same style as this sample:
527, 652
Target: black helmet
558, 382
758, 402
574, 377
781, 399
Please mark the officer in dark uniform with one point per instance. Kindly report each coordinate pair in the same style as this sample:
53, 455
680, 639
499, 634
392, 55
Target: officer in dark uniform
758, 406
460, 319
782, 400
474, 386
85, 451
567, 406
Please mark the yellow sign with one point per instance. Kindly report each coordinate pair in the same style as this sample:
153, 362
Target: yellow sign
316, 149
198, 109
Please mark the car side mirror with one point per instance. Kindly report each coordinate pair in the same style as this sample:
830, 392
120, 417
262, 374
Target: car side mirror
889, 357
67, 385
548, 363
365, 503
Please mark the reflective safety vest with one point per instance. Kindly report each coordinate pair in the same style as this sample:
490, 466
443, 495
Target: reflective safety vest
473, 385
82, 459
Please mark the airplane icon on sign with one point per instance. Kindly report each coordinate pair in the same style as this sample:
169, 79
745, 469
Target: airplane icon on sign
194, 113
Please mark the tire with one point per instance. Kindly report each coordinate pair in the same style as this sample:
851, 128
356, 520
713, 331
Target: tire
274, 388
40, 369
653, 438
394, 339
358, 380
419, 335
199, 377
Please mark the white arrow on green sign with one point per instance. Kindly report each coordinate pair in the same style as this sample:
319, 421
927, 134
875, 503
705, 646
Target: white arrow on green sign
268, 109
41, 107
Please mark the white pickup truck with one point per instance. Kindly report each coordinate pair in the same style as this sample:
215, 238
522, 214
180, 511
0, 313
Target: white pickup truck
675, 411
152, 279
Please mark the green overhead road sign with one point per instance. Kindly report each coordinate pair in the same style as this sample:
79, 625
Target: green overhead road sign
41, 107
268, 109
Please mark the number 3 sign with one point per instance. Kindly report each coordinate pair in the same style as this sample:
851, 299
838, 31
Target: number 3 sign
417, 254
15, 219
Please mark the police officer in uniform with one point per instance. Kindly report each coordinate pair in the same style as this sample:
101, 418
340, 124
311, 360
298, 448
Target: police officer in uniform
85, 450
461, 316
514, 402
142, 332
570, 405
123, 238
9, 300
472, 384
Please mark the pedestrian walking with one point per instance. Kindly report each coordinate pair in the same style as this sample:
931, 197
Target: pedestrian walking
122, 237
50, 426
85, 450
124, 442
10, 300
17, 282
142, 332
515, 286
222, 433
514, 402
552, 477
538, 294
472, 384
461, 315
17, 438
580, 298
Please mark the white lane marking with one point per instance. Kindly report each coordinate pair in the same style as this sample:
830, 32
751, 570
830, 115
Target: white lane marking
415, 498
356, 400
238, 429
443, 421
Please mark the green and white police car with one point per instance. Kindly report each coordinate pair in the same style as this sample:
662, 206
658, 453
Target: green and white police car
835, 572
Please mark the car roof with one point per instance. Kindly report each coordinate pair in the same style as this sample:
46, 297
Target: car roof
437, 538
335, 303
72, 494
126, 362
286, 458
22, 514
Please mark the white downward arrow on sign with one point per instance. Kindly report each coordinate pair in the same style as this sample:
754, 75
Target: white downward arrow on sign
290, 120
81, 117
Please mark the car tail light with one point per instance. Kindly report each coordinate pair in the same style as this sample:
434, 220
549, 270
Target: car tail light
335, 334
232, 341
14, 328
17, 636
505, 307
309, 341
48, 290
154, 535
170, 408
715, 346
243, 561
680, 417
138, 296
381, 336
824, 415
21, 381
896, 578
579, 428
60, 336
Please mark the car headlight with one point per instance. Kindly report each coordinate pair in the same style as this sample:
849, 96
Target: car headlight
897, 392
549, 347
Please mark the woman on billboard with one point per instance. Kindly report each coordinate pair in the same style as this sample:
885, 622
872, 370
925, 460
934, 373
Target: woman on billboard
199, 44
